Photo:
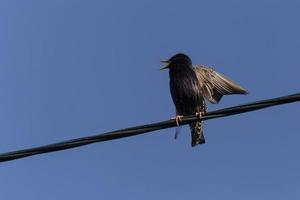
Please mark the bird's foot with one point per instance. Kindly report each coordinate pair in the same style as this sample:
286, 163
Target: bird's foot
199, 115
177, 119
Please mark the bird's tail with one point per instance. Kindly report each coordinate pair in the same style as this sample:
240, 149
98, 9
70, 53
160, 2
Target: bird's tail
197, 133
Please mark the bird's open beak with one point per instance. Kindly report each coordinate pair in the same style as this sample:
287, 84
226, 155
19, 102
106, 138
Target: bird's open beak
165, 63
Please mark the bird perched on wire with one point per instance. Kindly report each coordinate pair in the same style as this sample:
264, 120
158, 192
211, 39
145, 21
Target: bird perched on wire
191, 85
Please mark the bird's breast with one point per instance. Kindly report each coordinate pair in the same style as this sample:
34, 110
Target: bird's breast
185, 91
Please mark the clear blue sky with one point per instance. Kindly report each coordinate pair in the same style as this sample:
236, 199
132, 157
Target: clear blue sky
74, 68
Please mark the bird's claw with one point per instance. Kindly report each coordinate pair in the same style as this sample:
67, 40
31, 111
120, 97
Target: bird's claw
199, 115
177, 119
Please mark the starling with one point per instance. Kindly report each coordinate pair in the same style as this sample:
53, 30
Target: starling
191, 85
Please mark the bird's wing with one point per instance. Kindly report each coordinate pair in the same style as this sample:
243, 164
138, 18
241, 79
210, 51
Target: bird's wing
214, 85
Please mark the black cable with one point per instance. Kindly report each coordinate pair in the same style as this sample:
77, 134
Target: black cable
146, 128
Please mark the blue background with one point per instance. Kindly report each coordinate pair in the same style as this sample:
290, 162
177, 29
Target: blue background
74, 68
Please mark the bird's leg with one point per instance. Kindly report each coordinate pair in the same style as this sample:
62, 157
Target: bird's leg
199, 115
177, 119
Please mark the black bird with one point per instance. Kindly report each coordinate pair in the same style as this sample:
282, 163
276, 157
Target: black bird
190, 85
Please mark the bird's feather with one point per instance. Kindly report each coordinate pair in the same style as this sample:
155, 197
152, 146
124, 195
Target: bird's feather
214, 85
197, 133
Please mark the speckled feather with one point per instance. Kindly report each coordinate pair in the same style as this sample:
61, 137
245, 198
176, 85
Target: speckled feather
189, 87
186, 94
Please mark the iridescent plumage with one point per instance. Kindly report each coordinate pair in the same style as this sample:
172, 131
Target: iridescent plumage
189, 87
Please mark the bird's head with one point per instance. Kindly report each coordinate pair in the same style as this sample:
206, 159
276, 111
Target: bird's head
177, 60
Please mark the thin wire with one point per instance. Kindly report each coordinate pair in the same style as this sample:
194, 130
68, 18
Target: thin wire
147, 128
